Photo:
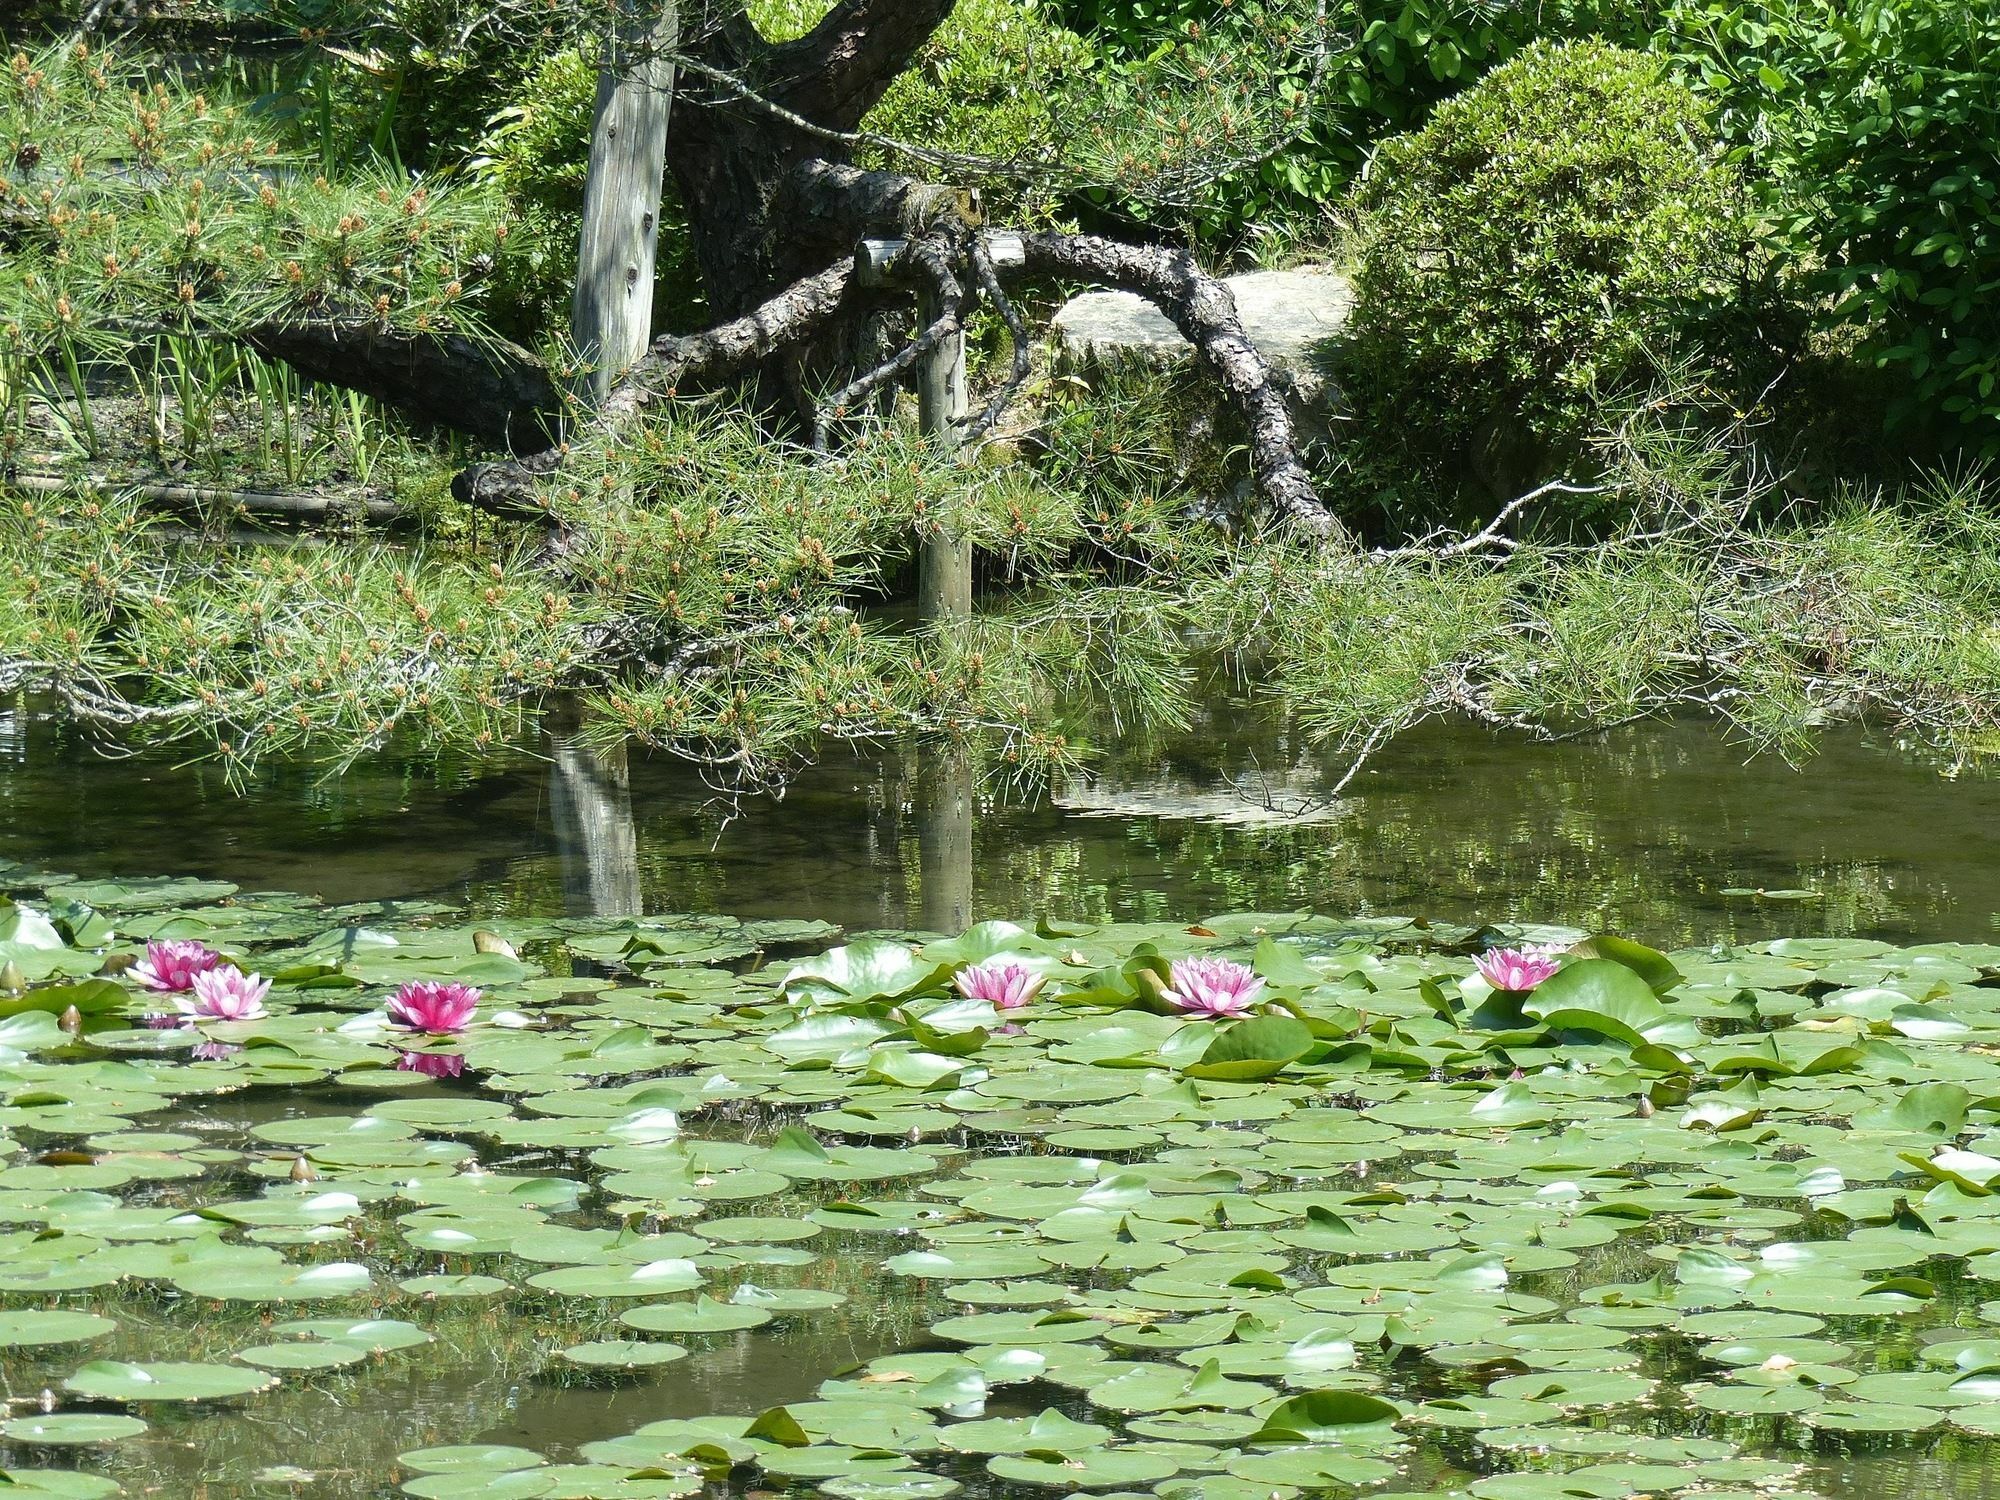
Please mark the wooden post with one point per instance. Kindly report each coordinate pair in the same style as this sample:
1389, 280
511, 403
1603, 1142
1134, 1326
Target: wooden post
944, 564
611, 318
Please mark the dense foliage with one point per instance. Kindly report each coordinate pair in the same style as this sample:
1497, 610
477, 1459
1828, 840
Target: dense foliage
132, 207
1386, 64
1873, 130
1552, 269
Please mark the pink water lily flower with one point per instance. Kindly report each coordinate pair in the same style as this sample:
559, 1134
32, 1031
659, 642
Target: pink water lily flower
171, 967
1517, 970
1212, 987
1004, 986
226, 994
431, 1064
434, 1007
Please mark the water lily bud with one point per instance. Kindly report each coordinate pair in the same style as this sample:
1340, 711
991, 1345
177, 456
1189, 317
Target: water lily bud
303, 1170
12, 980
71, 1021
491, 942
1645, 1106
48, 1400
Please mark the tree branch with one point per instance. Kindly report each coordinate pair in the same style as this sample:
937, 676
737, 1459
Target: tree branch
486, 387
1201, 307
799, 312
201, 500
836, 73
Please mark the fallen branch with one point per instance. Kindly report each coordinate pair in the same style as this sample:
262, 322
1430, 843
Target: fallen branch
203, 500
486, 387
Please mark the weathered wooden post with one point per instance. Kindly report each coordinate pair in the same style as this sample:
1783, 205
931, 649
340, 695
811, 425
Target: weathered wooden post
944, 562
944, 566
611, 316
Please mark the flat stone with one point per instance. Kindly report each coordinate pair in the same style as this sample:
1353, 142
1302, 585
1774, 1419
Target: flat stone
1285, 313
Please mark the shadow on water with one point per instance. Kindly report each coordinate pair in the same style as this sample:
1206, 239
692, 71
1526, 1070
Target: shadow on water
1645, 828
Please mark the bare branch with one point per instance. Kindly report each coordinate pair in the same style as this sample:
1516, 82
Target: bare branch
931, 259
799, 312
1017, 338
1201, 307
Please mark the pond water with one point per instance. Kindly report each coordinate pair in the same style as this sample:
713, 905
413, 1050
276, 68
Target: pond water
1702, 1244
1648, 829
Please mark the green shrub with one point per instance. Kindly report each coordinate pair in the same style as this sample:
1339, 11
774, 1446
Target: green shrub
1873, 129
1544, 244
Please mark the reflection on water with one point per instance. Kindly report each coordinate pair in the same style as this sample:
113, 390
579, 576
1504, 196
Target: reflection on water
590, 813
1642, 829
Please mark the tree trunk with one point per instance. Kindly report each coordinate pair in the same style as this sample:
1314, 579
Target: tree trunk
733, 158
487, 387
611, 319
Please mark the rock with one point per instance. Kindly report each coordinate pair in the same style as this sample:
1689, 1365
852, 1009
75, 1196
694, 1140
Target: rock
1287, 314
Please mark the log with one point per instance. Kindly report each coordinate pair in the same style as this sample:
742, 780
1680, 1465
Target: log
486, 387
203, 498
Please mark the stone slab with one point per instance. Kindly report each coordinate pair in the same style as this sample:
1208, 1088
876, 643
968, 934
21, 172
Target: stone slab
1285, 313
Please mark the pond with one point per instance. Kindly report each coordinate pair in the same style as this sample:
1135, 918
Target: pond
1648, 829
695, 1204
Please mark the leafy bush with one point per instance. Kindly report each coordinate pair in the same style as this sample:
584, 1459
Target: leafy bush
1541, 245
986, 84
1873, 127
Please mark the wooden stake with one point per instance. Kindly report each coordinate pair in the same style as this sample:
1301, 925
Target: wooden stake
944, 566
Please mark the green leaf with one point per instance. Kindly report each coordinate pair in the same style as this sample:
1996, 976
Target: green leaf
1260, 1047
1600, 996
1649, 964
1329, 1416
778, 1425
